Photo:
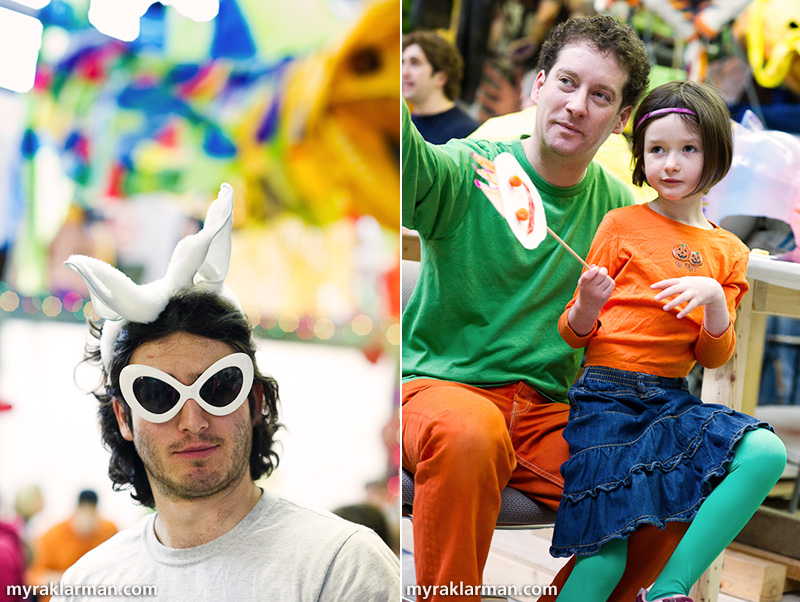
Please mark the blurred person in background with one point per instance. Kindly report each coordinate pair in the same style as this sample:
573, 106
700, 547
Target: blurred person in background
371, 516
12, 560
62, 545
12, 551
432, 72
28, 502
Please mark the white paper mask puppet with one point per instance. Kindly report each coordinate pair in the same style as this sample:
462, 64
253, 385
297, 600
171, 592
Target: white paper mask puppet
515, 197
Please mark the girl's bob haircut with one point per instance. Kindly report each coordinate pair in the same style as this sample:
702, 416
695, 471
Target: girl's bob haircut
712, 122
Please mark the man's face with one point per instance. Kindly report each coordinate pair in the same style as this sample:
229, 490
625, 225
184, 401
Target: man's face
578, 102
419, 80
195, 454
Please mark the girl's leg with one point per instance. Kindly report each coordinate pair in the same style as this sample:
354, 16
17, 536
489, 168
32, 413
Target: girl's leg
759, 463
594, 577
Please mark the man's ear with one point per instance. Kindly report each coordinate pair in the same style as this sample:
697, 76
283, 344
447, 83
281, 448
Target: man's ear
121, 412
537, 85
440, 79
257, 395
623, 120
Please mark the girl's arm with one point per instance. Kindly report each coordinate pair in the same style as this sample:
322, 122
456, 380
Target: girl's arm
579, 321
594, 289
696, 291
716, 341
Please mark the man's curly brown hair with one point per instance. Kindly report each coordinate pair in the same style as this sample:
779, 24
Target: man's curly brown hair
196, 312
608, 35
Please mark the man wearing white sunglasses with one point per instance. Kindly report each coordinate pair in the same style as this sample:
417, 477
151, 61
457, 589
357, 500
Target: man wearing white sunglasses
190, 423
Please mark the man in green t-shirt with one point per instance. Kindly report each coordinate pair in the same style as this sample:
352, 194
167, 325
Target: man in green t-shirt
485, 372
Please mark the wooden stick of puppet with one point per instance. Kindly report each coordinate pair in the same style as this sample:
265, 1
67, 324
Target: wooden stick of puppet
514, 196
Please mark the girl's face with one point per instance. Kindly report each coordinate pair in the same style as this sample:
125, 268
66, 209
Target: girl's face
673, 158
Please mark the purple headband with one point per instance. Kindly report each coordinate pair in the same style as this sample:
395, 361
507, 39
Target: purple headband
664, 111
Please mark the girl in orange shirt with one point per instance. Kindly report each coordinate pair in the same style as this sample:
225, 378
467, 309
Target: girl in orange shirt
643, 449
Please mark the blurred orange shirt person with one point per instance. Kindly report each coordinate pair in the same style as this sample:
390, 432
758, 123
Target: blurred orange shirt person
62, 545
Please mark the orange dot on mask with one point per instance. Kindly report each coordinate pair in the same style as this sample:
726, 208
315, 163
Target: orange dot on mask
522, 214
515, 181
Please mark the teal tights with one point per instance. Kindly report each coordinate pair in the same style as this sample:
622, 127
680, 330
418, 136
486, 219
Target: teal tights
759, 463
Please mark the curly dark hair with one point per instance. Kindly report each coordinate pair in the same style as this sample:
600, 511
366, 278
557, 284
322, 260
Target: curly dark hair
196, 312
608, 35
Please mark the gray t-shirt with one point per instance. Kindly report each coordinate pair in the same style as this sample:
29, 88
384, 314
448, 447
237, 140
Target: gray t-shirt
278, 552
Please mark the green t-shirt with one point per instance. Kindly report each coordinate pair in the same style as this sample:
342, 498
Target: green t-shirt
485, 310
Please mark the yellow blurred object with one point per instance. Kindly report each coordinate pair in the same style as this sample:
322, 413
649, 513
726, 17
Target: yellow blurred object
773, 41
294, 263
614, 155
341, 124
153, 157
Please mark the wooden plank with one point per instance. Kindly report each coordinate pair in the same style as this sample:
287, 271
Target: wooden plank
726, 385
751, 578
753, 355
707, 587
741, 355
776, 300
719, 384
792, 564
774, 531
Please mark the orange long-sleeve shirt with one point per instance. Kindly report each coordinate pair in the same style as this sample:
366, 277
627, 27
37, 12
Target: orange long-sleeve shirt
61, 547
640, 247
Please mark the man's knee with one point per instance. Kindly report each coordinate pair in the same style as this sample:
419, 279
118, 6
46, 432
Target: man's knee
475, 431
456, 426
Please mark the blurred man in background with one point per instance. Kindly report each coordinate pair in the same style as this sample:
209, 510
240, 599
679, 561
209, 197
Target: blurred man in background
432, 72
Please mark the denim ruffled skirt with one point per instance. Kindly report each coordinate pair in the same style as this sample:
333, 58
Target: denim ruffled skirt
643, 451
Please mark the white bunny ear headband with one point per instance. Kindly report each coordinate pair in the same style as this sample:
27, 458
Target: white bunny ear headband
200, 260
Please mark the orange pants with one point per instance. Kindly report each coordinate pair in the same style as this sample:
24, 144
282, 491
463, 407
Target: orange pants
464, 445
